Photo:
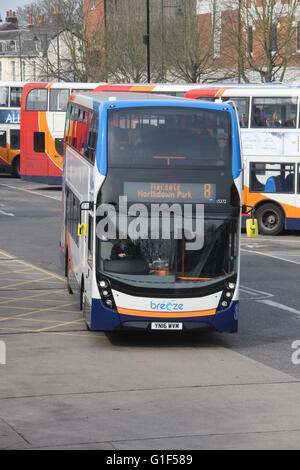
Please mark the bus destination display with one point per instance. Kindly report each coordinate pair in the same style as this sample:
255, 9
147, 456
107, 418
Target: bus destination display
170, 192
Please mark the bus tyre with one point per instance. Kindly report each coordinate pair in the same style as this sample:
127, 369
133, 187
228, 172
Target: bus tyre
16, 167
270, 219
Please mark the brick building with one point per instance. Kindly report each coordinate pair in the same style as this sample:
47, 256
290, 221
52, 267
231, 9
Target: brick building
253, 42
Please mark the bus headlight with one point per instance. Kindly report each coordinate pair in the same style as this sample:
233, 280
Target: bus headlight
227, 295
106, 293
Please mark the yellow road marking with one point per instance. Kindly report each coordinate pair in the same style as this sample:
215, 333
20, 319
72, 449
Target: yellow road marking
34, 296
33, 312
24, 263
63, 324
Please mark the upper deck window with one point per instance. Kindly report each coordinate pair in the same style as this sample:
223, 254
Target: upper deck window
274, 113
3, 96
169, 137
15, 97
37, 100
59, 100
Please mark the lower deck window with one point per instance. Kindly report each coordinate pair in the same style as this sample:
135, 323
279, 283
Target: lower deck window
272, 177
39, 141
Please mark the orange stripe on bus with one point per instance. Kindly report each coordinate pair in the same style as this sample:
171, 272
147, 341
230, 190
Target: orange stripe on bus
221, 92
142, 88
146, 313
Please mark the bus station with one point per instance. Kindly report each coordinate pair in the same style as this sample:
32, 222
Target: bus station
149, 258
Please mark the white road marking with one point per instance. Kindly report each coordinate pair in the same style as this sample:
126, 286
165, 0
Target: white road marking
35, 193
280, 306
255, 292
9, 214
271, 256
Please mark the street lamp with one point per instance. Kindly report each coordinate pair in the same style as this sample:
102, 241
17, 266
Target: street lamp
146, 40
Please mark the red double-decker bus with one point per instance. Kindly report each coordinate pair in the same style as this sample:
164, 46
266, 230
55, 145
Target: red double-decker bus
43, 112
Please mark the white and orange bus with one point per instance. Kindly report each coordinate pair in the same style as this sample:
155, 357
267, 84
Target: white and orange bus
43, 112
270, 135
10, 103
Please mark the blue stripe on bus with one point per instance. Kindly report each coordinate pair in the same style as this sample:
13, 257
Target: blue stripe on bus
292, 223
101, 152
106, 319
236, 150
52, 180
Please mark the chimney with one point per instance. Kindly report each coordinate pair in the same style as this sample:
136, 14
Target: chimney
56, 9
29, 21
41, 19
11, 18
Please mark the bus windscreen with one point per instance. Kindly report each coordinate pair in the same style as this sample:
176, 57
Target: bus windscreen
169, 137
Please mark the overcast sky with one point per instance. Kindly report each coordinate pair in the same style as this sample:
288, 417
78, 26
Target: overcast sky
11, 5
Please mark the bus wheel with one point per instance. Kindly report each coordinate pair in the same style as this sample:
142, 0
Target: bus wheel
270, 219
68, 280
16, 167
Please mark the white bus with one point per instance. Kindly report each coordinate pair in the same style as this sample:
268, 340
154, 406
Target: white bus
10, 104
270, 134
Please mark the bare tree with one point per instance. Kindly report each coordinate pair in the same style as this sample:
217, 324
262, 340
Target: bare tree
64, 45
260, 38
189, 45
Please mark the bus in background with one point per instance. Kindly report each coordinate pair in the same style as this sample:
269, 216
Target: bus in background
270, 135
131, 154
10, 103
170, 89
43, 112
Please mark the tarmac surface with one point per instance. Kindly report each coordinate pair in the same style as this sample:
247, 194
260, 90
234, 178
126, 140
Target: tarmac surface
64, 387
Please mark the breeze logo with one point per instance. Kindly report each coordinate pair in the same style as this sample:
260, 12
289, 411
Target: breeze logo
2, 353
168, 307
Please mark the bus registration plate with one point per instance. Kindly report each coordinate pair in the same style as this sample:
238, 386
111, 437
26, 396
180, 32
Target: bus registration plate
166, 326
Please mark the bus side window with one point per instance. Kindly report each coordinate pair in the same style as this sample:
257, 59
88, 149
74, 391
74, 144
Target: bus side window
67, 123
272, 177
3, 97
15, 139
78, 129
15, 97
74, 126
39, 141
92, 140
3, 139
37, 100
274, 112
242, 105
86, 134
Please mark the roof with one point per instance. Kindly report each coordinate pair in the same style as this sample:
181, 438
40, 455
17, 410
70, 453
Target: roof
91, 99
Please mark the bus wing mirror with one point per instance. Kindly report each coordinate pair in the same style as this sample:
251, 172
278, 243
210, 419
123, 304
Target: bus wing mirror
82, 230
252, 228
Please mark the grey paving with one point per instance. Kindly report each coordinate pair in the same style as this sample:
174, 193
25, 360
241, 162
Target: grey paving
64, 387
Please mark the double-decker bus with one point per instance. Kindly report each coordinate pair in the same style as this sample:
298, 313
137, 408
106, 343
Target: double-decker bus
270, 134
10, 103
151, 211
43, 118
43, 111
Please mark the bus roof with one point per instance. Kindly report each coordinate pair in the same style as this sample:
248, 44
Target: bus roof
91, 99
14, 84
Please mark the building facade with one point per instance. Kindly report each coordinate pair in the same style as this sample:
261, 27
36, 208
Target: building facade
37, 52
254, 40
